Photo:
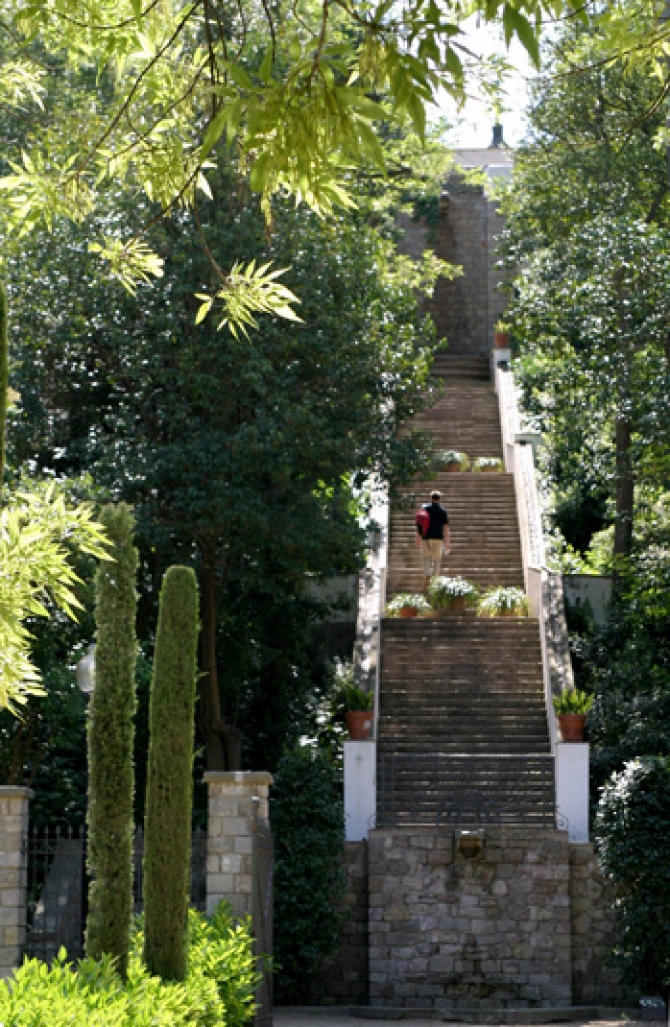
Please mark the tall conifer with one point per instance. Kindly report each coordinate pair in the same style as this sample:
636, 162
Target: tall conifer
167, 833
110, 745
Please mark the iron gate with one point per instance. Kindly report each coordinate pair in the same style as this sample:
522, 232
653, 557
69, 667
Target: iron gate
57, 888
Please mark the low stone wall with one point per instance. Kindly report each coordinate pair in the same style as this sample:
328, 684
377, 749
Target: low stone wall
344, 979
449, 932
594, 979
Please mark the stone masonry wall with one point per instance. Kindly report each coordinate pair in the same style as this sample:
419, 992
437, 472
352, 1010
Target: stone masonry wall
466, 309
449, 932
594, 935
237, 801
344, 979
13, 875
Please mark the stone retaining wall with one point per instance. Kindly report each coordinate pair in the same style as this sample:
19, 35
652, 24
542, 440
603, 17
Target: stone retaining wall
594, 979
448, 931
344, 979
466, 309
529, 922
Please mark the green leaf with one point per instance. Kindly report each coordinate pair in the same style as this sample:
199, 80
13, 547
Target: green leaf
260, 172
265, 70
213, 133
515, 23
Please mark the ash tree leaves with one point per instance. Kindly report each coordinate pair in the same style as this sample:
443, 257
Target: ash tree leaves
38, 533
289, 87
248, 291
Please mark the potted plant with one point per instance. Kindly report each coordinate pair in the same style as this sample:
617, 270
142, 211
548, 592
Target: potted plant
501, 335
451, 460
571, 708
451, 594
407, 605
487, 464
503, 601
357, 711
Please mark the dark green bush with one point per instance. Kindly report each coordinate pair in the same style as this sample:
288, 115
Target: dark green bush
308, 828
633, 827
110, 745
218, 991
167, 834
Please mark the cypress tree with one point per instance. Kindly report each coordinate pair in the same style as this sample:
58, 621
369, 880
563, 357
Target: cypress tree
167, 828
110, 746
4, 380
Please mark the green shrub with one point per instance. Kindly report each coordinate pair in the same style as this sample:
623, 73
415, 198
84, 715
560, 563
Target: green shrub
110, 745
167, 833
633, 826
308, 828
4, 378
218, 991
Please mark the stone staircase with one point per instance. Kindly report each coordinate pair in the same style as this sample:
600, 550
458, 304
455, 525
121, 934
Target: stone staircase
462, 731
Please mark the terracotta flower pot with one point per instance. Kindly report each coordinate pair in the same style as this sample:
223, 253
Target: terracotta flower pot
501, 340
453, 467
572, 726
359, 724
408, 611
458, 604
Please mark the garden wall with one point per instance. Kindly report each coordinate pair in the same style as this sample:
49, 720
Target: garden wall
344, 980
466, 309
528, 923
594, 935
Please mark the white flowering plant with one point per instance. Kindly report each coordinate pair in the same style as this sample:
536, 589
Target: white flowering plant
444, 590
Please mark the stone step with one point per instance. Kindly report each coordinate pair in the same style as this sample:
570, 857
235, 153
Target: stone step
464, 747
475, 730
470, 689
448, 363
459, 788
462, 719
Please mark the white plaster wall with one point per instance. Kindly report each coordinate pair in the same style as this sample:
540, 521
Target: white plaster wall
572, 789
359, 789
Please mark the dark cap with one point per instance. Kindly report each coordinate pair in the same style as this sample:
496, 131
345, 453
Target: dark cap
436, 496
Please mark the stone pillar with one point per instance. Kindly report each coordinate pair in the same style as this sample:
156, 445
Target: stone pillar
360, 799
572, 790
238, 800
14, 803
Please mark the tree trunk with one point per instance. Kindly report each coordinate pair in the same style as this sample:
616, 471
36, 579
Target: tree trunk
223, 742
623, 524
625, 488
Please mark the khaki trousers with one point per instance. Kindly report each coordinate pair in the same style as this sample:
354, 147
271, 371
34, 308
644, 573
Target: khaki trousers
431, 556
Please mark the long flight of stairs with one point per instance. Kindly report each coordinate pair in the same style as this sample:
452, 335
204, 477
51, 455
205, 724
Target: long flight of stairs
462, 730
